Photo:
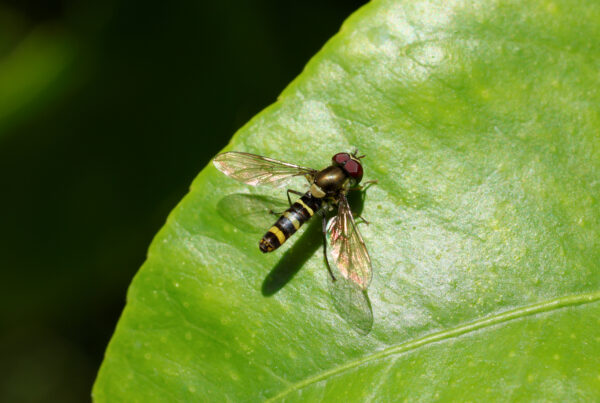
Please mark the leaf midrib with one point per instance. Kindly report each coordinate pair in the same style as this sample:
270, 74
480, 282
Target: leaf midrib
500, 318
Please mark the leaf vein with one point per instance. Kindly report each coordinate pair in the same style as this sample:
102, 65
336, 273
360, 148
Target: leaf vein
489, 321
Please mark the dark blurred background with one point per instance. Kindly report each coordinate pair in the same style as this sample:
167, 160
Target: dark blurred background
107, 113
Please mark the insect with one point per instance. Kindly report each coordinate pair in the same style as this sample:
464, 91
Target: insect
328, 189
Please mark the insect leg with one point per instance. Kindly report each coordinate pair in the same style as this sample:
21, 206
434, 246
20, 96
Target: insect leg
294, 192
363, 219
289, 201
324, 229
365, 185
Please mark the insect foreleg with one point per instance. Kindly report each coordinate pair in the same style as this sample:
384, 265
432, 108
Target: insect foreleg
365, 185
324, 229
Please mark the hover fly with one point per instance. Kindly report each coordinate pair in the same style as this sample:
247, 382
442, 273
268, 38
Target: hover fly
328, 189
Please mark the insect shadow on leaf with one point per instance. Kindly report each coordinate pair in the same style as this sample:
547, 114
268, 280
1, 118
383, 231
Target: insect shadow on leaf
352, 304
302, 250
253, 214
293, 259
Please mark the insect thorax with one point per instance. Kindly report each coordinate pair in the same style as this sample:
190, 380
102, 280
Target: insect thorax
329, 182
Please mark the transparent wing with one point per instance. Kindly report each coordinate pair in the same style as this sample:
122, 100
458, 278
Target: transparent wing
346, 247
250, 213
256, 170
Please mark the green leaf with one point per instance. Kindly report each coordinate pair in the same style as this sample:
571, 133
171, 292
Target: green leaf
480, 121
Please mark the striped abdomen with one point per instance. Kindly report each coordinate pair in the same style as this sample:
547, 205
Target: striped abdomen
292, 219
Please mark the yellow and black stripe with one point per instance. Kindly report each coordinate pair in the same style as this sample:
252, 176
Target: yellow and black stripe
292, 219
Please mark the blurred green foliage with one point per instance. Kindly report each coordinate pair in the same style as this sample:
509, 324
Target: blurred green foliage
107, 113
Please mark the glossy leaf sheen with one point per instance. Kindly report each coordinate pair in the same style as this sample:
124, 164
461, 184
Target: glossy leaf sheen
480, 121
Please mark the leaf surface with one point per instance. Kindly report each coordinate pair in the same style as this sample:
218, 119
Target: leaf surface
480, 121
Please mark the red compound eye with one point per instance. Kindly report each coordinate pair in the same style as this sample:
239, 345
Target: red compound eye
340, 158
354, 169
